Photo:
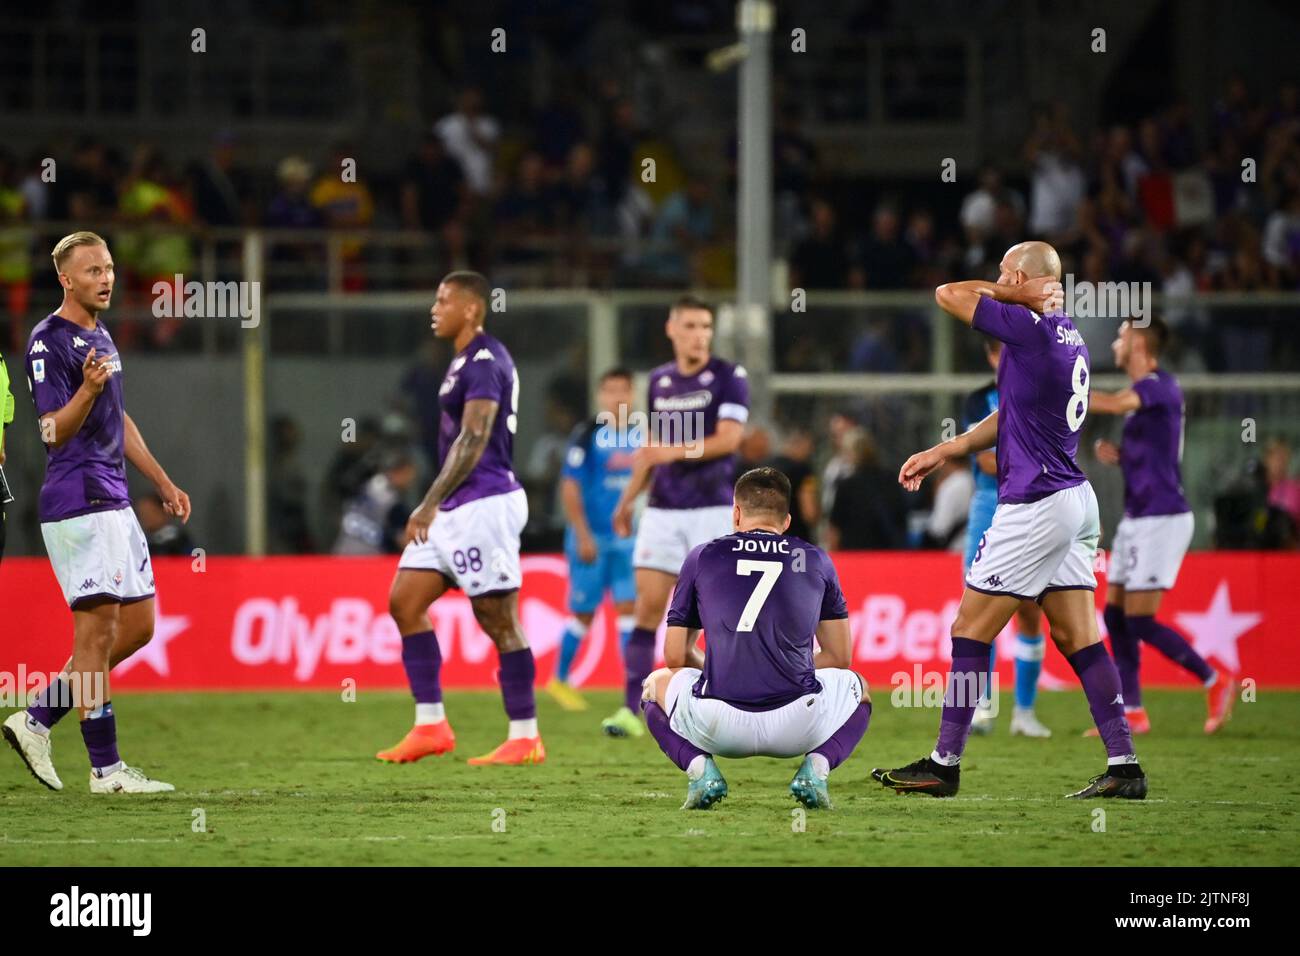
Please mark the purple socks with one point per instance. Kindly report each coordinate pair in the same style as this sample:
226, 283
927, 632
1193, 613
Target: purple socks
678, 749
841, 743
1169, 643
423, 661
517, 676
51, 704
638, 662
1128, 654
1101, 686
970, 659
99, 731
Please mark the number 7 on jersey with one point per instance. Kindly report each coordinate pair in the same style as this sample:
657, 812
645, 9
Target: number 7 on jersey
771, 570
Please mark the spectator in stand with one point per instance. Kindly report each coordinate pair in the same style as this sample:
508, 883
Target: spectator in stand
151, 197
286, 491
471, 138
945, 530
344, 202
869, 510
85, 189
16, 239
434, 196
526, 213
295, 265
617, 149
795, 462
1057, 183
580, 196
682, 227
886, 261
167, 537
221, 188
352, 466
841, 463
820, 260
1282, 241
374, 520
558, 128
1283, 487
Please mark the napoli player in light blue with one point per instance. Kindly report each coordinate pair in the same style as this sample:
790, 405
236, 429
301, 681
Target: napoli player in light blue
1029, 618
597, 468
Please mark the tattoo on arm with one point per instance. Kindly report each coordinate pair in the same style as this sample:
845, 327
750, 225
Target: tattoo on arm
475, 430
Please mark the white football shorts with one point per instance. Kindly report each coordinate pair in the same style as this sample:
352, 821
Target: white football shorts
666, 536
1147, 552
102, 554
475, 545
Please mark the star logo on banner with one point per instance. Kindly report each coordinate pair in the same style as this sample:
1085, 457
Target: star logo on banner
166, 628
1216, 630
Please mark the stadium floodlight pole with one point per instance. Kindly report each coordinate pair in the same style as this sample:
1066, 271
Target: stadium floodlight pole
254, 409
754, 20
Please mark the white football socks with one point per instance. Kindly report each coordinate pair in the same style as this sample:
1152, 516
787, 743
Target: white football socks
522, 728
429, 714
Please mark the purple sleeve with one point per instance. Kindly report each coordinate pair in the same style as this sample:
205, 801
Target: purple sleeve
1013, 324
733, 401
485, 378
49, 375
834, 607
1148, 391
685, 610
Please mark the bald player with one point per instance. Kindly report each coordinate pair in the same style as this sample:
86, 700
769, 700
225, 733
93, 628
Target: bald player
1153, 536
760, 688
1044, 534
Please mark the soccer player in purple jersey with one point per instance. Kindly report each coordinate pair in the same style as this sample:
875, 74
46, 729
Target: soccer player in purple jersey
759, 688
1157, 526
699, 404
1045, 529
465, 534
98, 551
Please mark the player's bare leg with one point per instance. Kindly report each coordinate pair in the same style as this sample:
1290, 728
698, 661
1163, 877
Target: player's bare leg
559, 688
705, 785
653, 589
498, 615
980, 617
409, 599
1073, 618
1029, 650
30, 731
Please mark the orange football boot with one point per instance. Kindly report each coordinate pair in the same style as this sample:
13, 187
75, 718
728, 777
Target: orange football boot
423, 740
1138, 723
1219, 700
521, 750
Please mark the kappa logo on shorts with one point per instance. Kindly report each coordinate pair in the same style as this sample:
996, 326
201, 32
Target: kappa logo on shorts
993, 581
87, 584
117, 578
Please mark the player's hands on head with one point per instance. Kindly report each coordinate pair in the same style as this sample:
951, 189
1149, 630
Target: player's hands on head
95, 373
417, 526
175, 502
1045, 295
916, 468
1107, 452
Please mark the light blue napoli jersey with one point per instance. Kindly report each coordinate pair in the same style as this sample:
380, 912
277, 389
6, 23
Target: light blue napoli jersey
600, 460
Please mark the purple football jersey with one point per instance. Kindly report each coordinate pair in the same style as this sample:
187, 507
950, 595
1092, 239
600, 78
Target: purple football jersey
686, 409
1043, 381
88, 473
759, 597
483, 369
1152, 449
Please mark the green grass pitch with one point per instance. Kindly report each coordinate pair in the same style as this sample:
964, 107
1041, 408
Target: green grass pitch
290, 779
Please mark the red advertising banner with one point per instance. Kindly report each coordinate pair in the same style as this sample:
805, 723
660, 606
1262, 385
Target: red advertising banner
314, 622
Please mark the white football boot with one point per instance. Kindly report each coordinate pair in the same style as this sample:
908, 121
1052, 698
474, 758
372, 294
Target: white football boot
127, 780
984, 719
34, 748
1025, 724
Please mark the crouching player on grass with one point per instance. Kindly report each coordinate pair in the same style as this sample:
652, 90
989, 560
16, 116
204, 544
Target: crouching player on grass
759, 689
